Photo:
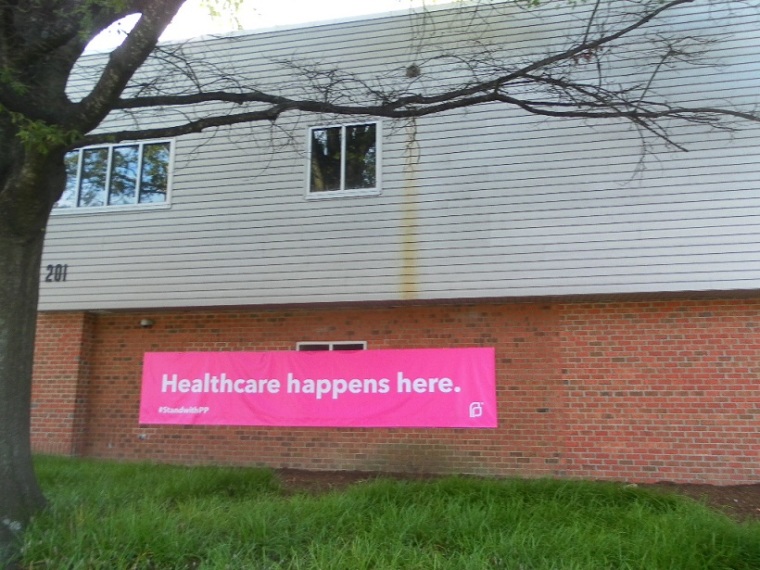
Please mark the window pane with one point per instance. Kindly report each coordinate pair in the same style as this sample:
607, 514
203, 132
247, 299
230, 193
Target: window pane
155, 173
314, 347
92, 190
325, 159
69, 197
361, 156
123, 175
348, 346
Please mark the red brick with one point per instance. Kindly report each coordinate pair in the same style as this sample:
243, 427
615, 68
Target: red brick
629, 390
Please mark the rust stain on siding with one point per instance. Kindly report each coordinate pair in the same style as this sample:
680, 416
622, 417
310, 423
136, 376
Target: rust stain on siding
409, 285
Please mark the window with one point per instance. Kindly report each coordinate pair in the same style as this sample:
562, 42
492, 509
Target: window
344, 160
339, 345
117, 175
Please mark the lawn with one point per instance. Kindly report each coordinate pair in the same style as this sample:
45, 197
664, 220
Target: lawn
112, 516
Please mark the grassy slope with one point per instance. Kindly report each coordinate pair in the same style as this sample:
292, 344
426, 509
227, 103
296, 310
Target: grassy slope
127, 516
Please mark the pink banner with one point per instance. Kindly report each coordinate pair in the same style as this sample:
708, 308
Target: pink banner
363, 388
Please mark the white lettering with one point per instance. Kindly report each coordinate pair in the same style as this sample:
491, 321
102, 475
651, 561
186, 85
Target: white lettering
424, 385
323, 387
294, 384
167, 383
334, 388
320, 388
226, 385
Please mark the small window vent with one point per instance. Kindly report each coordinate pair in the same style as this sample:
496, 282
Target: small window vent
337, 345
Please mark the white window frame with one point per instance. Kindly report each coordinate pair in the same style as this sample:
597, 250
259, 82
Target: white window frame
80, 210
331, 345
346, 193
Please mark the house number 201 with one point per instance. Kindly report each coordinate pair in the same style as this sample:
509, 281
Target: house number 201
56, 273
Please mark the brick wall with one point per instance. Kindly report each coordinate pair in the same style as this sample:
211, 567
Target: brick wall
641, 391
61, 378
663, 391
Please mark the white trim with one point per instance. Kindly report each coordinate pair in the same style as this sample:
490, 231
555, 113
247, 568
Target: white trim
333, 194
92, 210
78, 210
346, 193
332, 344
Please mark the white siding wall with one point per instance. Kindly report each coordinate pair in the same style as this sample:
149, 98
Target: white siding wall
486, 202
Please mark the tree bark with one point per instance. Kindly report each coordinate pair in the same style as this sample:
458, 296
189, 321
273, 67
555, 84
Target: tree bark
29, 184
38, 48
21, 496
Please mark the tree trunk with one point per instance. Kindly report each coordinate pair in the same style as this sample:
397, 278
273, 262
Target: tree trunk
21, 496
29, 184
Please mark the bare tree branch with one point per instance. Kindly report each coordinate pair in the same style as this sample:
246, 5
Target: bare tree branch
543, 86
124, 61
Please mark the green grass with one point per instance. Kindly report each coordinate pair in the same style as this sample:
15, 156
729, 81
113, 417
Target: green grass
127, 516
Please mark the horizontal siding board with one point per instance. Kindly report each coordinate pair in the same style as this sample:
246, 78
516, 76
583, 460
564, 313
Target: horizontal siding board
498, 202
551, 262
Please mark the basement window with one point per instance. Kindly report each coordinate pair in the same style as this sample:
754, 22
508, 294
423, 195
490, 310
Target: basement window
337, 345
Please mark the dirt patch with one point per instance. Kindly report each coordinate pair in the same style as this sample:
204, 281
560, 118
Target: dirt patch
741, 502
